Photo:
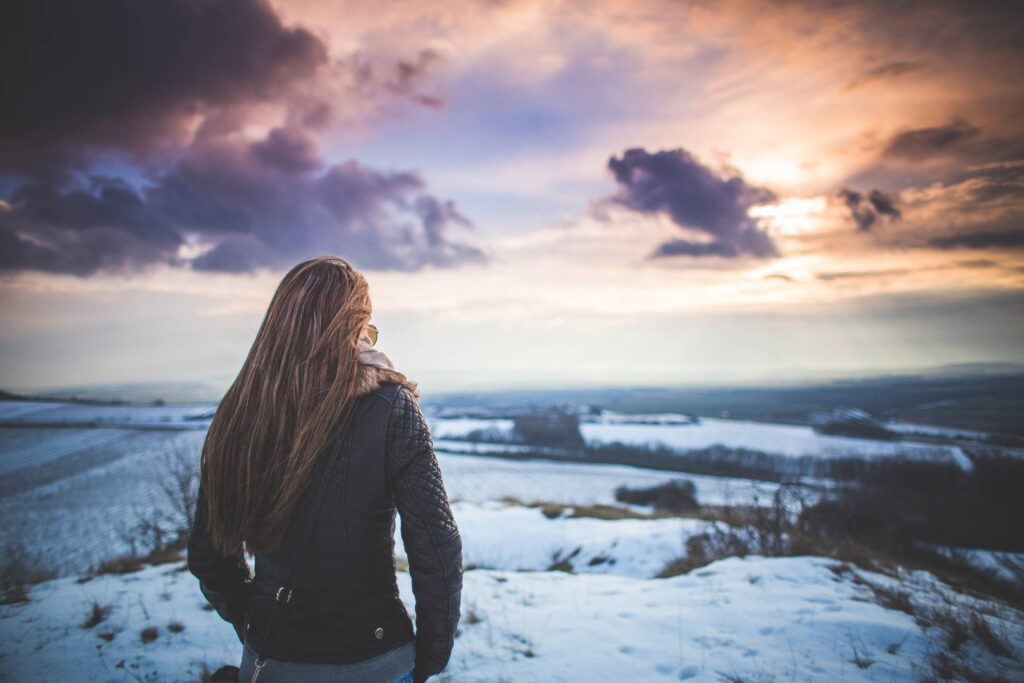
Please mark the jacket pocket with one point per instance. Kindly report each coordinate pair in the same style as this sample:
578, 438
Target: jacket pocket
381, 620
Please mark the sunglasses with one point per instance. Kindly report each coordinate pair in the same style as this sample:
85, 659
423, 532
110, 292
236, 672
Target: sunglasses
371, 331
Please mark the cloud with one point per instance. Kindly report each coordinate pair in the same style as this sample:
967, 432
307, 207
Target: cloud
288, 149
83, 77
865, 210
250, 205
673, 182
177, 97
978, 263
883, 73
923, 143
858, 274
980, 240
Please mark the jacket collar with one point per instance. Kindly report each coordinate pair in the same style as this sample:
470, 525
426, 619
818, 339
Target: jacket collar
375, 368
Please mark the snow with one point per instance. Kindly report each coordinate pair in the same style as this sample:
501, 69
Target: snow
501, 536
482, 478
66, 491
680, 433
1006, 566
935, 431
178, 415
779, 439
461, 426
612, 417
752, 619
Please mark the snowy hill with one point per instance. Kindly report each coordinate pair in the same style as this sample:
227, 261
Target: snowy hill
802, 618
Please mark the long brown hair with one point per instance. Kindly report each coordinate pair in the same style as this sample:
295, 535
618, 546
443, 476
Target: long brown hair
281, 410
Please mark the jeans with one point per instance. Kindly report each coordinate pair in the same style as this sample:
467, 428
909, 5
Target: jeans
381, 668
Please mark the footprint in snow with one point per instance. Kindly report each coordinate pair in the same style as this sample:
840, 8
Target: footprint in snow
688, 672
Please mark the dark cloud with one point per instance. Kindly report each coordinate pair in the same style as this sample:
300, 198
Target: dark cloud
103, 226
224, 194
980, 240
884, 73
696, 198
166, 90
978, 263
865, 210
288, 149
923, 143
861, 274
408, 75
120, 74
883, 204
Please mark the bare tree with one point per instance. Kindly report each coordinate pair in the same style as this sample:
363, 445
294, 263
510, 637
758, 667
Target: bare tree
178, 478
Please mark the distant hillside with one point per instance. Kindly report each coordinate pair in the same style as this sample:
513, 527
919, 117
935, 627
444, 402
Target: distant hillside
984, 402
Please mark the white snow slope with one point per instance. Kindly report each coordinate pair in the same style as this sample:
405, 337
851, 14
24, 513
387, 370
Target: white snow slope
751, 619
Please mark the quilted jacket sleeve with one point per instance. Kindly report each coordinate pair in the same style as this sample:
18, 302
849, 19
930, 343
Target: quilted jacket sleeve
432, 540
224, 581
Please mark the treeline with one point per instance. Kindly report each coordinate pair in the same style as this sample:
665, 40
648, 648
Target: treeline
717, 461
896, 504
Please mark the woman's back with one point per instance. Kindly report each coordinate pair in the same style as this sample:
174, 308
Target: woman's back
315, 499
343, 604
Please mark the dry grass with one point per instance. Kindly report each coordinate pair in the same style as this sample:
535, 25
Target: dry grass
120, 564
981, 630
97, 614
560, 563
893, 598
861, 659
13, 596
19, 569
696, 556
553, 510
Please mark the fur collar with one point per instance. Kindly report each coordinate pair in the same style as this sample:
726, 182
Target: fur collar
372, 376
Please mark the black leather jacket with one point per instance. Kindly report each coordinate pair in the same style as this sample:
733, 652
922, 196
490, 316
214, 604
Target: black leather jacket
345, 604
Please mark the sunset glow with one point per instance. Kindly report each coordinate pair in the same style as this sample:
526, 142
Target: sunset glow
766, 190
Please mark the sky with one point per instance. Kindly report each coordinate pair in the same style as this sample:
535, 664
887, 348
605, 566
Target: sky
540, 194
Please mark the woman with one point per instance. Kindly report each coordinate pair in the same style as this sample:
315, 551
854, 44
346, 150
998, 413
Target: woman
310, 489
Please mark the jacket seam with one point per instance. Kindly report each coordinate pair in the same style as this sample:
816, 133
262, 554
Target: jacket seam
387, 441
445, 578
435, 545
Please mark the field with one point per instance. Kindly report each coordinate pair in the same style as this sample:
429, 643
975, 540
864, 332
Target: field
553, 558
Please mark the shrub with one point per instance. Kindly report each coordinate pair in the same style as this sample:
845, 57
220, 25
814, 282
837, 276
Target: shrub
97, 615
549, 428
19, 569
679, 495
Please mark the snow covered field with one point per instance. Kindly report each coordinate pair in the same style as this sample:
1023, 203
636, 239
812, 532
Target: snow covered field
56, 412
514, 537
750, 619
480, 478
66, 491
674, 431
679, 433
791, 440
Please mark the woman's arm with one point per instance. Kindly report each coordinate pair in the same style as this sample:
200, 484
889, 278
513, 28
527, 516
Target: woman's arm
432, 540
223, 580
